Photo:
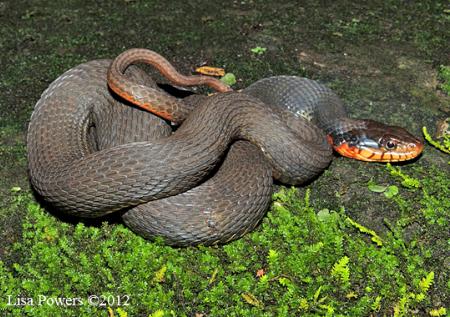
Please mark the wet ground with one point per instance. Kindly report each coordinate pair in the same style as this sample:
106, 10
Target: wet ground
381, 57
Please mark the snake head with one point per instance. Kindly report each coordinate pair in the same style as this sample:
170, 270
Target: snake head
376, 142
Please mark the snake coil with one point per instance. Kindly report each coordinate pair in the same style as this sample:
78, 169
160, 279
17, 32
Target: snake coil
92, 153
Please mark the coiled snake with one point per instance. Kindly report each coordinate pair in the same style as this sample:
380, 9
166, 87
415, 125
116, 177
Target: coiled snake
91, 153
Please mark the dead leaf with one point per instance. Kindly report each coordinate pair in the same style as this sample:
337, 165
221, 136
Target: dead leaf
210, 71
260, 273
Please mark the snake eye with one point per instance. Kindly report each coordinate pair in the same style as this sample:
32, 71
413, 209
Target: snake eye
390, 145
353, 140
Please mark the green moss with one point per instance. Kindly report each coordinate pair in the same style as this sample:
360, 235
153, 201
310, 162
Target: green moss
444, 75
311, 263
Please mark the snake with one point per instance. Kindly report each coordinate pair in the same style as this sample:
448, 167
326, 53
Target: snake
104, 138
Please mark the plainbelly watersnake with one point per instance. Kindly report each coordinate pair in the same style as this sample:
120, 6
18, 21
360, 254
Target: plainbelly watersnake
91, 153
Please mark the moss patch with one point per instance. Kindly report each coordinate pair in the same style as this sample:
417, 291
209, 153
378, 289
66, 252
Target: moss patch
313, 262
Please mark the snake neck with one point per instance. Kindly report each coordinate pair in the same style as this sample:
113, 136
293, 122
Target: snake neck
340, 126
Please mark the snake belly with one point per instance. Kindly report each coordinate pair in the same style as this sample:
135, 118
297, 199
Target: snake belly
90, 154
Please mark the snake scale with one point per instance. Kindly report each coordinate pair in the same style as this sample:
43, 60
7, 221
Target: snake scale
208, 181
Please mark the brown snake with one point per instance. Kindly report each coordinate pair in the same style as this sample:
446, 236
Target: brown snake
90, 153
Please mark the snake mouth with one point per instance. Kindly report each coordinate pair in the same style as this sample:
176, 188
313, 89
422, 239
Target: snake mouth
377, 155
381, 150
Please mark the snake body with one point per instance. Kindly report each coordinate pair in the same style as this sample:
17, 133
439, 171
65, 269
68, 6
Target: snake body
90, 153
